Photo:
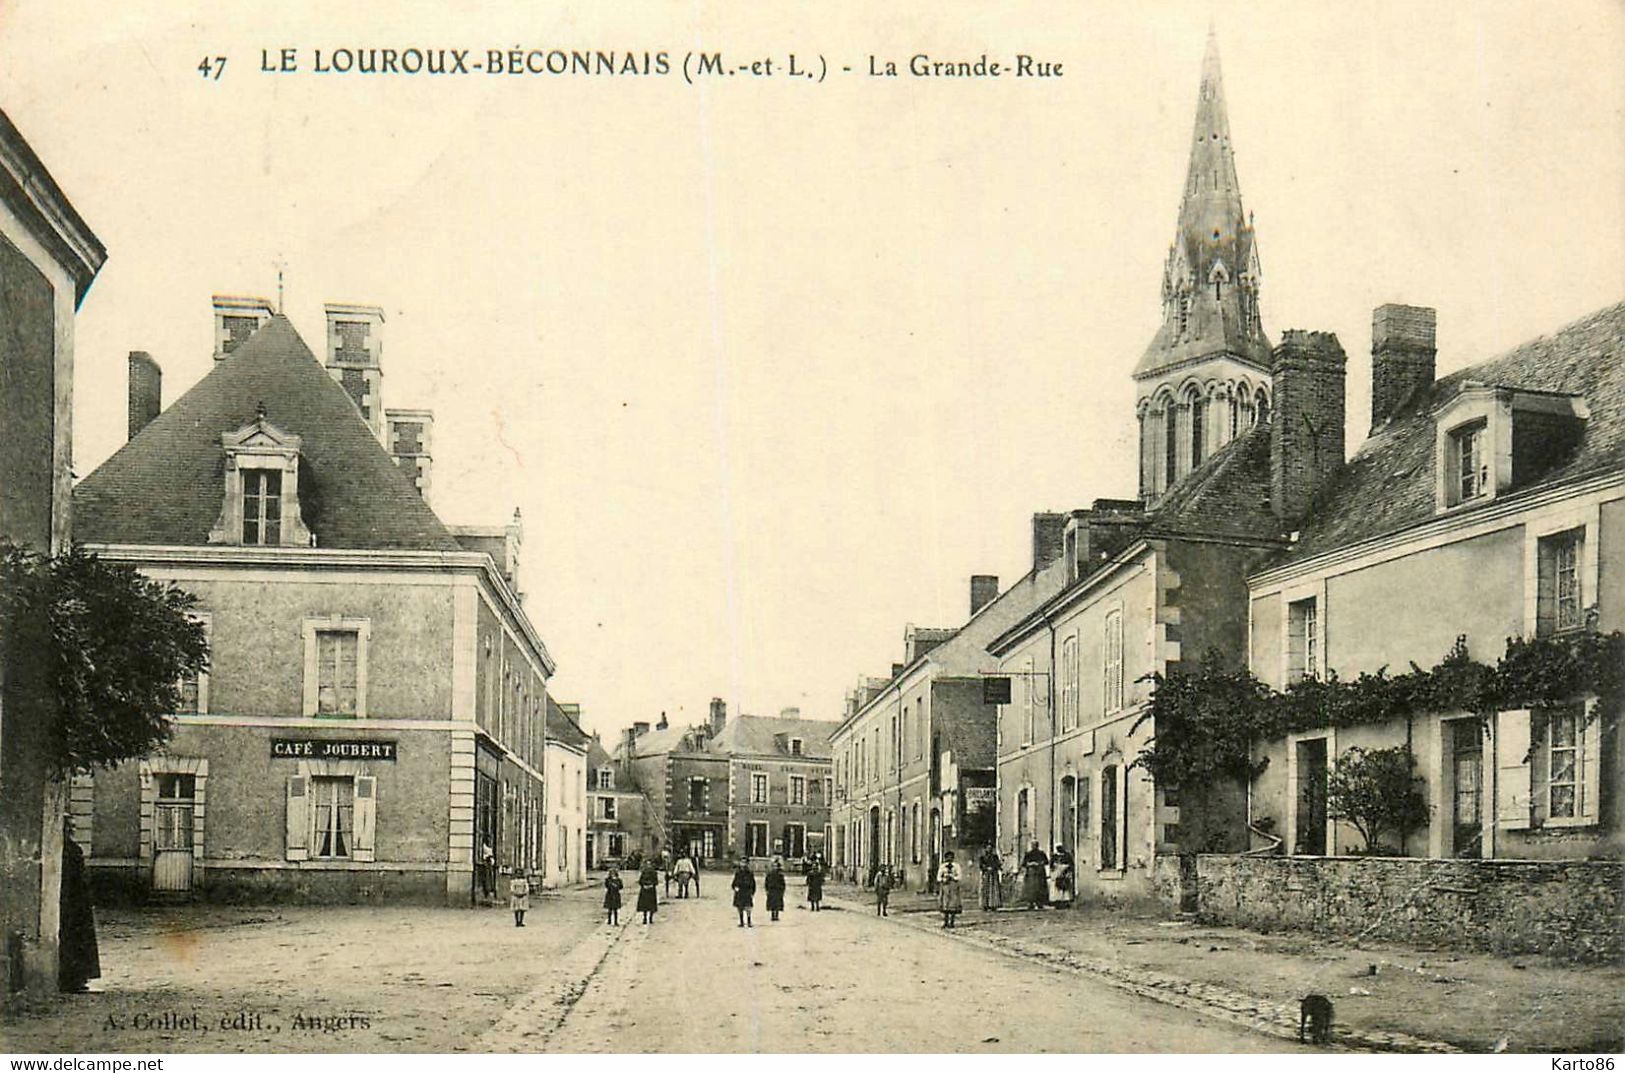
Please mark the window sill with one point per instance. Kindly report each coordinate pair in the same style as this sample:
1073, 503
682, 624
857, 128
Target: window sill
1578, 823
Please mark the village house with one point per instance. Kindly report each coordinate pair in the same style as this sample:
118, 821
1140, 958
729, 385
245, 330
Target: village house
914, 757
615, 811
780, 784
48, 259
685, 785
566, 770
371, 725
1498, 492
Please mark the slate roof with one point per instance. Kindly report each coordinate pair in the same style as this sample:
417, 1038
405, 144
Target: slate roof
1389, 484
564, 730
166, 485
597, 756
971, 737
759, 735
1227, 495
668, 740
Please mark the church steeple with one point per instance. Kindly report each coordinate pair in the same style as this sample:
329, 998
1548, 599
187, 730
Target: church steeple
1210, 348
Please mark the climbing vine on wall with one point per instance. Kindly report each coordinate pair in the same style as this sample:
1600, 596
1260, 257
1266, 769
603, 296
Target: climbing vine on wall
1207, 719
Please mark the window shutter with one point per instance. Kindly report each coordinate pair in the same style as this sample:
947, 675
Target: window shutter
366, 815
1590, 764
1512, 775
1545, 588
297, 846
1122, 819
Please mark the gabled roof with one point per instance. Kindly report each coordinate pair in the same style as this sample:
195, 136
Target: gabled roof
1389, 484
768, 735
564, 730
670, 739
965, 653
597, 756
1227, 495
166, 485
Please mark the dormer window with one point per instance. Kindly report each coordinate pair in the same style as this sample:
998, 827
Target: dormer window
795, 746
1469, 471
261, 505
1493, 439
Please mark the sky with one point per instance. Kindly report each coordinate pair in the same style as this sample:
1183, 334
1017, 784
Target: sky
771, 366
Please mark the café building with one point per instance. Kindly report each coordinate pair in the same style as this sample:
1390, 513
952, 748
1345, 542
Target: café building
371, 725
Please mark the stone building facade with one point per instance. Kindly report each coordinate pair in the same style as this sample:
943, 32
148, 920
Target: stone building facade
48, 260
371, 726
780, 785
568, 747
1497, 495
685, 786
914, 757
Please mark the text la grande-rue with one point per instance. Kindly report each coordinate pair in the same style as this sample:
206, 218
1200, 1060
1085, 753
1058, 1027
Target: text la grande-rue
922, 65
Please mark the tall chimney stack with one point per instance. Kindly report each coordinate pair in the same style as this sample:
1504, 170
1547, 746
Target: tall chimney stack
146, 390
409, 442
355, 350
1049, 531
1306, 432
984, 589
236, 317
719, 715
1402, 357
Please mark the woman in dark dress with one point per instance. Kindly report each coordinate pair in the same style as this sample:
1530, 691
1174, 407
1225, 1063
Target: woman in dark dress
612, 896
1035, 878
815, 882
775, 889
79, 960
648, 884
744, 886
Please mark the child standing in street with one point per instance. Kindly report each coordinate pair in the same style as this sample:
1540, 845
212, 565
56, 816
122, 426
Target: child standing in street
519, 897
744, 886
612, 896
883, 885
648, 892
775, 889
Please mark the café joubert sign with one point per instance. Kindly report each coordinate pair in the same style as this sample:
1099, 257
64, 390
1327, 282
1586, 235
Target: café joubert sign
331, 749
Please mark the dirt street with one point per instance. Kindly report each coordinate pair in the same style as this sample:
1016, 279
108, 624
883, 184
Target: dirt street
847, 981
206, 979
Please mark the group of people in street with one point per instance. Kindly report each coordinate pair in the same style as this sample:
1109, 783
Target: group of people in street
1045, 880
685, 871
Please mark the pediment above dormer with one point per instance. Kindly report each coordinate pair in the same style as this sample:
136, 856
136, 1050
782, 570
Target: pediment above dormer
260, 435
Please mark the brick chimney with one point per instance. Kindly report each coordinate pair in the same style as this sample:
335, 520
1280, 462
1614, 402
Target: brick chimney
355, 350
236, 317
1048, 535
984, 589
146, 390
1106, 528
1402, 357
1306, 429
410, 433
719, 715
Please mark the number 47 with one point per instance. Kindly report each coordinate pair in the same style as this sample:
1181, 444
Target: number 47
212, 67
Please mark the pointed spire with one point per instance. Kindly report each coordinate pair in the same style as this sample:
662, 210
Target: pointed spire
1209, 291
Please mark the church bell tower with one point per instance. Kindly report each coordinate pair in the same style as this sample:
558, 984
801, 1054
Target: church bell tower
1205, 378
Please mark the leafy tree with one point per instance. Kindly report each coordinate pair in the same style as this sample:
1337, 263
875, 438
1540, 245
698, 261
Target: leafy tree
1379, 792
102, 650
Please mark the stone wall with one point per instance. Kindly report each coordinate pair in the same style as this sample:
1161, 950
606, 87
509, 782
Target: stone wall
1568, 909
